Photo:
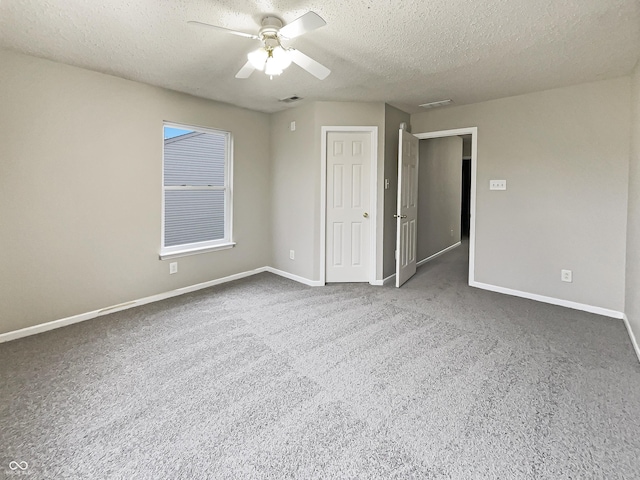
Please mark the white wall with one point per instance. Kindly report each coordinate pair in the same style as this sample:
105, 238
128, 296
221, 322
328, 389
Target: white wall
439, 195
632, 307
565, 156
80, 190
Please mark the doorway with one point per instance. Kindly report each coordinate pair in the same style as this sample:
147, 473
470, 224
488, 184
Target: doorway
467, 160
348, 204
465, 213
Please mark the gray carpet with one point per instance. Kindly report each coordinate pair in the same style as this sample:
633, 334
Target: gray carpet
266, 378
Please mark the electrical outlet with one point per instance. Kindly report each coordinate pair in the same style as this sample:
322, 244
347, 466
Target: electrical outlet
292, 254
173, 268
566, 275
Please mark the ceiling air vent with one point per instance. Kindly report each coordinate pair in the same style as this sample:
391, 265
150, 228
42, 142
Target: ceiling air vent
291, 99
439, 103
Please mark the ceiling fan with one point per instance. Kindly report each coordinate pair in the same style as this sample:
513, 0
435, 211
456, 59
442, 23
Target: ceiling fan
272, 57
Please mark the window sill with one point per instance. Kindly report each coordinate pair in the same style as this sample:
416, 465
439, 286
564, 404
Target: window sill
196, 251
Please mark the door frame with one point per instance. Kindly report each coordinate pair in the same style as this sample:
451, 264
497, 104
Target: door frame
373, 197
473, 131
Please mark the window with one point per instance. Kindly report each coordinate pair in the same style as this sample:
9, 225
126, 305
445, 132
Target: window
196, 190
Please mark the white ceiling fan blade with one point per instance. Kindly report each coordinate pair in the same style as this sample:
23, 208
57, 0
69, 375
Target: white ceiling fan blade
245, 71
309, 64
222, 29
307, 22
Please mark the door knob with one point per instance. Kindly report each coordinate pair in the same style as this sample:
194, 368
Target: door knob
365, 215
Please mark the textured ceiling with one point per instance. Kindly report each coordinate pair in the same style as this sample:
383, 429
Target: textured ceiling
401, 52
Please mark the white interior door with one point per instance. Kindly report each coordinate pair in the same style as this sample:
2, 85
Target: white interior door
407, 210
348, 235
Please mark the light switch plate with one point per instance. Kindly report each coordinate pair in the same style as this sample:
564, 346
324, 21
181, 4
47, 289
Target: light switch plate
497, 184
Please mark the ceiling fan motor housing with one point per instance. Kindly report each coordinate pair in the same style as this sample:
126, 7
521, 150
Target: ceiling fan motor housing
270, 27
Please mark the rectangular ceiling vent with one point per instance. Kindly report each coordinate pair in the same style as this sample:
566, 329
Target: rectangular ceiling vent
439, 103
291, 99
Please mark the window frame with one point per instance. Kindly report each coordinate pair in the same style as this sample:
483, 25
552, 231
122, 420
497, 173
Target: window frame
209, 245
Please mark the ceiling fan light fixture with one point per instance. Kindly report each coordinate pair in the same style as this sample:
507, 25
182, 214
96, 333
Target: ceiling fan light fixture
281, 57
258, 58
272, 67
272, 61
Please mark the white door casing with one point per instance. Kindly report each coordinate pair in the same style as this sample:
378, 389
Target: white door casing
407, 209
348, 214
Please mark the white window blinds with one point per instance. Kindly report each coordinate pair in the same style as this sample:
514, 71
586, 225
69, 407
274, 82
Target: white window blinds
196, 189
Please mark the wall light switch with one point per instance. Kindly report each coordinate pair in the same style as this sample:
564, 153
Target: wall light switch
497, 184
292, 126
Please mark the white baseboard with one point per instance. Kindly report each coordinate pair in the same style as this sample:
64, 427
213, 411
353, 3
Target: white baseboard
380, 283
435, 255
392, 278
554, 301
296, 278
634, 341
63, 322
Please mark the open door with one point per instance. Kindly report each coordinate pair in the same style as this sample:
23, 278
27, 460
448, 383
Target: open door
407, 211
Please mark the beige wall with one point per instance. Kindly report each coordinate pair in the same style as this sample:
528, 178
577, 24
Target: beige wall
565, 156
295, 190
632, 308
80, 190
392, 120
439, 195
295, 162
466, 146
